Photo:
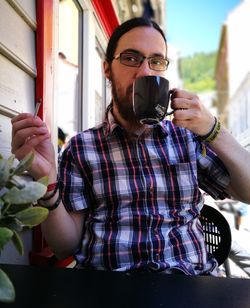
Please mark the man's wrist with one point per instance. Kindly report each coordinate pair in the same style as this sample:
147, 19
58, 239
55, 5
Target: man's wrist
51, 191
212, 134
53, 176
52, 202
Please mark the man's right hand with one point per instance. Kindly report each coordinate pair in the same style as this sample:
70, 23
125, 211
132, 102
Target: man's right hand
30, 133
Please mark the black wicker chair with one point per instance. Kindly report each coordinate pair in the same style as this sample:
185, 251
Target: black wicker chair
217, 235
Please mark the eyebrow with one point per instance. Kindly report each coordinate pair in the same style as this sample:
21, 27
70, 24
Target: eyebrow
130, 50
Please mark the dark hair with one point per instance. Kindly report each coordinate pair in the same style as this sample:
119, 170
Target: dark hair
61, 134
124, 28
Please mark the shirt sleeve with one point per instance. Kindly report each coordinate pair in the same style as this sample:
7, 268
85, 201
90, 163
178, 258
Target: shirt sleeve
72, 179
213, 176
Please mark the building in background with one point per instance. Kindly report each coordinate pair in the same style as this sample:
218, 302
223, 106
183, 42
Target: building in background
153, 9
173, 72
233, 73
221, 100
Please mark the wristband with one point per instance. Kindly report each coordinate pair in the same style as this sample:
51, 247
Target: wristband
215, 133
54, 206
212, 134
54, 187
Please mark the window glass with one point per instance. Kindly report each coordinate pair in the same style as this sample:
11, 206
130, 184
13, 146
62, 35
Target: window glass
68, 91
101, 87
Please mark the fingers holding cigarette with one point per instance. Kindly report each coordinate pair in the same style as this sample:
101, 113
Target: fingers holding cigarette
26, 127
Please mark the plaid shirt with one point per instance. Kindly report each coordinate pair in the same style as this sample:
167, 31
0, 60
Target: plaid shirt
141, 197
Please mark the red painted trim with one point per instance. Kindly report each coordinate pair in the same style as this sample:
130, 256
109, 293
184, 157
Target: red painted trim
47, 258
44, 84
40, 54
106, 13
44, 80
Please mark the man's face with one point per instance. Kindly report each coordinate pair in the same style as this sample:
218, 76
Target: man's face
148, 42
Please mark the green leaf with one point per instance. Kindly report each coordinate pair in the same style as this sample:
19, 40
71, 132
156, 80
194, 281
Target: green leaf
24, 164
18, 243
5, 235
5, 207
29, 194
17, 181
4, 172
44, 180
14, 208
10, 161
7, 291
32, 216
11, 222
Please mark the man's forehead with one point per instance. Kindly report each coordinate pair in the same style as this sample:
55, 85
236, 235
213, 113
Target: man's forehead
142, 38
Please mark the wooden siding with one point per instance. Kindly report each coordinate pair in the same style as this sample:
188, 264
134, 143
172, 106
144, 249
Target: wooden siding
17, 64
16, 87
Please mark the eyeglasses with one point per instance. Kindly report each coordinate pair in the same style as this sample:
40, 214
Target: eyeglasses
156, 63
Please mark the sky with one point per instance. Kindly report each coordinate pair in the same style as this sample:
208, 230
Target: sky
195, 25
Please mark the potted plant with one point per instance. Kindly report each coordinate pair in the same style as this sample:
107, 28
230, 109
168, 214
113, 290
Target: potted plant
18, 194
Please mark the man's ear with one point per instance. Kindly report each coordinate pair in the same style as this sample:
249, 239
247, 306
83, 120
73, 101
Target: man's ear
106, 69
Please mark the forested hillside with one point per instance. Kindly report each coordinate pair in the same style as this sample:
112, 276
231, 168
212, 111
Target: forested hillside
197, 72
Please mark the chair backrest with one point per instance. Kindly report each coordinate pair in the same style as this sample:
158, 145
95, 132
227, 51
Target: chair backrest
217, 233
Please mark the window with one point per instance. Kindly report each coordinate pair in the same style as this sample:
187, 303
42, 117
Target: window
102, 95
69, 69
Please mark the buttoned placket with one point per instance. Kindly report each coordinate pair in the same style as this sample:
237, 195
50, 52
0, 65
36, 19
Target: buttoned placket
153, 257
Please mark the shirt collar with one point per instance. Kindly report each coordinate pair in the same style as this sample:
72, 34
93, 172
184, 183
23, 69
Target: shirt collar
111, 124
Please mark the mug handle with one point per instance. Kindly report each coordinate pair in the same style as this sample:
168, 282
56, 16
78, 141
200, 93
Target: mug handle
169, 96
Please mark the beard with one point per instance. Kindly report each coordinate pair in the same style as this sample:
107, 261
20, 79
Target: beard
124, 104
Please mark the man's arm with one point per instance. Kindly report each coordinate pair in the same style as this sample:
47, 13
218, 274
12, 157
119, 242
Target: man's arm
193, 115
62, 229
237, 161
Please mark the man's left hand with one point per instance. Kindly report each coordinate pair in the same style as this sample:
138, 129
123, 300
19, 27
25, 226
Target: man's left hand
191, 113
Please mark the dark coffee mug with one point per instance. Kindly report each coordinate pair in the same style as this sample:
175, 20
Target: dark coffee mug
151, 96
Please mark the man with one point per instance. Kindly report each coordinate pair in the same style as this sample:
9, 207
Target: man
130, 192
61, 140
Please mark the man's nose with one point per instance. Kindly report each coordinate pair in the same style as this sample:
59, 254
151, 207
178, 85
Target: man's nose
144, 69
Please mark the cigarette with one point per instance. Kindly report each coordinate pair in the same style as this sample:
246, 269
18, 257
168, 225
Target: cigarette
38, 104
